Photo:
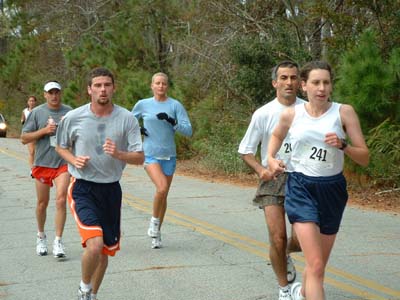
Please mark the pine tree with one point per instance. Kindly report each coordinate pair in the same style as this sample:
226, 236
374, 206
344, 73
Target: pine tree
365, 82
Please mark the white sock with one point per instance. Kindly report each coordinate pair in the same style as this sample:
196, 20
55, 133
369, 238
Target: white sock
285, 288
58, 238
85, 287
41, 235
93, 296
155, 220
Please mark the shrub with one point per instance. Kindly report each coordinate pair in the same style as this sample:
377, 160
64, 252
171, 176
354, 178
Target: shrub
384, 146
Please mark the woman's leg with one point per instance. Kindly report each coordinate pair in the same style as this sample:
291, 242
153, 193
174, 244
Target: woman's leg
327, 245
315, 253
162, 183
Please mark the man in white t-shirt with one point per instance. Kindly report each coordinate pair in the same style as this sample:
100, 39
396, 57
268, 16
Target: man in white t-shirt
270, 194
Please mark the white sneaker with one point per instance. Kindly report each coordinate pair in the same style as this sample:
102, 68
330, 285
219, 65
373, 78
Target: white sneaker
153, 229
84, 295
291, 270
295, 291
284, 294
58, 249
41, 246
156, 242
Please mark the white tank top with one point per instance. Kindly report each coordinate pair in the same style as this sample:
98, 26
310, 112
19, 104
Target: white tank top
310, 154
26, 112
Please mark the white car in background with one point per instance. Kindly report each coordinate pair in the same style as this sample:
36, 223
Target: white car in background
3, 126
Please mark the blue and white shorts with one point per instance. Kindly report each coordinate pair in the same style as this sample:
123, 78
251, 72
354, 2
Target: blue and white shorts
168, 165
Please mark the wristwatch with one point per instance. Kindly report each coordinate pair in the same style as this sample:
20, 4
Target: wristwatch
344, 144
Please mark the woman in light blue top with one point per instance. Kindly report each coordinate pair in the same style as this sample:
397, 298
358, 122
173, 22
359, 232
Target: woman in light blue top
162, 116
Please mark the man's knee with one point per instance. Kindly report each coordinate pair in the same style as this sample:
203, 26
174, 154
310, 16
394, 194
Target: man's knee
42, 203
61, 204
278, 240
95, 246
61, 199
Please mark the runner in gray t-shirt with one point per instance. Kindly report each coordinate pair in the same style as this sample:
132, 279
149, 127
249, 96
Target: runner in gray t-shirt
48, 167
46, 155
86, 134
98, 140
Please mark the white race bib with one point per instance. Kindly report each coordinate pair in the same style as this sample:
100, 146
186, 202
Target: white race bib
53, 141
316, 157
284, 152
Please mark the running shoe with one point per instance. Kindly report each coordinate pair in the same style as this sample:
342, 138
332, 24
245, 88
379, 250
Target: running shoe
84, 295
153, 230
295, 291
58, 249
284, 294
41, 246
291, 270
156, 242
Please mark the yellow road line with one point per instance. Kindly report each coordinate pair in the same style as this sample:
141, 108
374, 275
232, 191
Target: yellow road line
13, 154
246, 244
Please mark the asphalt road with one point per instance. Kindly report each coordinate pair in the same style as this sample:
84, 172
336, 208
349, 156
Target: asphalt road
215, 245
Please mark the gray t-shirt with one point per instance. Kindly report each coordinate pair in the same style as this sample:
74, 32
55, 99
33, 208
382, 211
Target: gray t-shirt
45, 154
85, 134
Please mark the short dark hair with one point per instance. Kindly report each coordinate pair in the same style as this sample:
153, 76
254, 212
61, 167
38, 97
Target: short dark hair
97, 72
314, 65
283, 64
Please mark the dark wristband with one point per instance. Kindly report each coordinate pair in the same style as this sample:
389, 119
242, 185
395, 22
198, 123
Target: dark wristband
344, 144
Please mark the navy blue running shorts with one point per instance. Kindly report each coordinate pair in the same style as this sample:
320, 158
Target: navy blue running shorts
321, 200
96, 208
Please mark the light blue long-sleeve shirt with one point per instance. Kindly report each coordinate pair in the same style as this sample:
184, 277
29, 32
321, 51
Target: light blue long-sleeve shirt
160, 142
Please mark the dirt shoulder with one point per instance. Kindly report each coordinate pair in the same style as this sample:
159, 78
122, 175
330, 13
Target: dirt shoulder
387, 200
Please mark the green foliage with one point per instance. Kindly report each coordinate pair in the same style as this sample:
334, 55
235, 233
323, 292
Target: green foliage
16, 65
133, 55
218, 129
203, 120
384, 146
131, 87
372, 87
2, 105
218, 55
394, 71
225, 158
183, 146
73, 94
253, 61
365, 82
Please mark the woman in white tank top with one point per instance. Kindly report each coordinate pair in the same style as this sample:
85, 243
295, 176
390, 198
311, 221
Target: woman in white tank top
317, 131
